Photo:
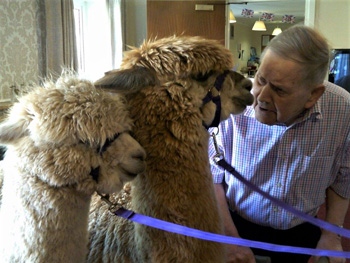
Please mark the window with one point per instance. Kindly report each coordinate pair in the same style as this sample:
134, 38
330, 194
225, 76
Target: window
98, 30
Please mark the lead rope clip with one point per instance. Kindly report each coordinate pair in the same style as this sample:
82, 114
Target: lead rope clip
219, 155
112, 207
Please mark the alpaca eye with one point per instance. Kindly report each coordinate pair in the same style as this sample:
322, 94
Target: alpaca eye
107, 143
200, 77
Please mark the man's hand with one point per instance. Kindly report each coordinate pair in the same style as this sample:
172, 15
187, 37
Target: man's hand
329, 241
234, 254
336, 207
239, 254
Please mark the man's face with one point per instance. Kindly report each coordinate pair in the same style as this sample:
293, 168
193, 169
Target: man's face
279, 94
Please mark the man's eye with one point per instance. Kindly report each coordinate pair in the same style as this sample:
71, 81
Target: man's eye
261, 81
278, 90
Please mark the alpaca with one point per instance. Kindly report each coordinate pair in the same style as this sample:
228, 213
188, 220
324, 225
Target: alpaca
165, 82
65, 140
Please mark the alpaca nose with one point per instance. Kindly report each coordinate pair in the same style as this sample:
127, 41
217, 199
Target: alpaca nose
139, 155
247, 84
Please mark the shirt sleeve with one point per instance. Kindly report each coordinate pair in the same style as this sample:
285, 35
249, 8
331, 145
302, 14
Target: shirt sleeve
341, 185
217, 172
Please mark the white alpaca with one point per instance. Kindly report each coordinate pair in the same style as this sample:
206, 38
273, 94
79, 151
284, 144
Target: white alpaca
65, 140
166, 82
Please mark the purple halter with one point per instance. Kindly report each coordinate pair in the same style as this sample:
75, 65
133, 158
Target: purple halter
209, 97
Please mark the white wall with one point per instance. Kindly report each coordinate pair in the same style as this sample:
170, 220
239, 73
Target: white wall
242, 38
332, 19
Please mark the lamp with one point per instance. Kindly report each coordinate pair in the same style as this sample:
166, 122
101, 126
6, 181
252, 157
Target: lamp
276, 31
232, 17
259, 26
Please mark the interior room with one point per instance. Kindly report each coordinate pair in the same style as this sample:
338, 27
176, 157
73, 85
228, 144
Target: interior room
247, 43
32, 46
141, 20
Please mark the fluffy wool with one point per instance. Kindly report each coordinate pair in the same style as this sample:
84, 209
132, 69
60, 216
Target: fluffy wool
53, 135
177, 186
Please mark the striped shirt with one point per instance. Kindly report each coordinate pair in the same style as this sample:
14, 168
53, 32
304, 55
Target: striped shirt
295, 164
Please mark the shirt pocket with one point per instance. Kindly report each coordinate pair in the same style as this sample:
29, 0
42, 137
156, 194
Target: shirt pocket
313, 173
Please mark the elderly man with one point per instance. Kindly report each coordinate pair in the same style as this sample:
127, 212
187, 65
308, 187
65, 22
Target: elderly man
294, 143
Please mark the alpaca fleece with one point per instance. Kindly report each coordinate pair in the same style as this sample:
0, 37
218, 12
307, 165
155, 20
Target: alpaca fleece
165, 82
53, 135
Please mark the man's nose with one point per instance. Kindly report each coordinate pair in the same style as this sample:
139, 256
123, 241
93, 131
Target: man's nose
264, 94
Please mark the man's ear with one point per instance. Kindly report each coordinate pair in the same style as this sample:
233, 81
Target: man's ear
316, 93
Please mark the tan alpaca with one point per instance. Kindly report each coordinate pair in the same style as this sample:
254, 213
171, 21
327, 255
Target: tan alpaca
54, 135
165, 82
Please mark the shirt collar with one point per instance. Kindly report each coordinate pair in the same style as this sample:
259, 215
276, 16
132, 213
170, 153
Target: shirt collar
313, 113
249, 112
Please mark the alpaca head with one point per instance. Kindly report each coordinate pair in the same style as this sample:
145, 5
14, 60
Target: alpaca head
194, 63
69, 133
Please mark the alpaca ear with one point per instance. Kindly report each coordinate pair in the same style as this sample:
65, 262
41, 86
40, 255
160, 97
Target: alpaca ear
127, 80
15, 126
11, 131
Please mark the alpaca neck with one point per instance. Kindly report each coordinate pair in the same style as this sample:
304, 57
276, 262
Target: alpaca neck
176, 143
43, 223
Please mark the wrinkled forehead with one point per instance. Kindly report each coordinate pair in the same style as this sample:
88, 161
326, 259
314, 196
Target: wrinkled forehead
281, 71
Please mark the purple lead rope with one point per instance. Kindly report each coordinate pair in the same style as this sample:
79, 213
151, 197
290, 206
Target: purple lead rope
182, 230
186, 231
315, 221
175, 228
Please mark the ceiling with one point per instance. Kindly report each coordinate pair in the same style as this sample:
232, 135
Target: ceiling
277, 7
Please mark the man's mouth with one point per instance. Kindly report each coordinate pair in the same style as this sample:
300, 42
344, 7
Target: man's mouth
262, 108
265, 109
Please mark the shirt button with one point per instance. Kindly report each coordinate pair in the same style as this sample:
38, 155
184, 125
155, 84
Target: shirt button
279, 184
275, 209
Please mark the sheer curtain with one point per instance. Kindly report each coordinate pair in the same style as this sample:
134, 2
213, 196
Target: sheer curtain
56, 37
99, 36
117, 19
